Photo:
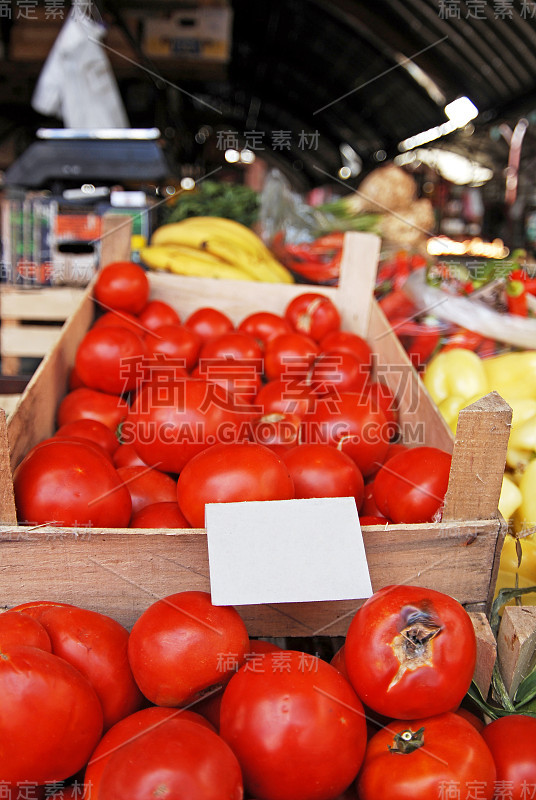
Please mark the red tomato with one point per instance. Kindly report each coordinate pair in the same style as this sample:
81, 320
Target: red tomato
170, 424
263, 326
411, 487
296, 726
176, 342
229, 473
369, 519
512, 743
319, 470
349, 423
209, 706
96, 646
285, 396
411, 652
208, 323
88, 443
93, 431
338, 661
160, 515
122, 286
179, 647
383, 397
66, 483
232, 346
240, 379
314, 315
475, 721
127, 730
85, 403
50, 717
289, 357
126, 456
346, 342
368, 506
75, 381
110, 359
156, 314
114, 319
449, 755
279, 432
17, 628
178, 760
335, 372
147, 486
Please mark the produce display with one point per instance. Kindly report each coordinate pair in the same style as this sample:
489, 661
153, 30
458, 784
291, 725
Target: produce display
186, 705
164, 416
213, 247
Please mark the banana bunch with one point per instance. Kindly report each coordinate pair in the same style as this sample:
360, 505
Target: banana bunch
213, 247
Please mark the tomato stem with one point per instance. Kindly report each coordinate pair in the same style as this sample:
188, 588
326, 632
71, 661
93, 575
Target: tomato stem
407, 741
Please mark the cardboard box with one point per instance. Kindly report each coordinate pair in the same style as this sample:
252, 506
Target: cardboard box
202, 34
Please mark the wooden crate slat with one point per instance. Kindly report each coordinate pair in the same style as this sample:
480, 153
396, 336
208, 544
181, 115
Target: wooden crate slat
28, 341
51, 304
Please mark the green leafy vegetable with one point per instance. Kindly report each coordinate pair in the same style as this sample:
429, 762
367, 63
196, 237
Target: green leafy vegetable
212, 199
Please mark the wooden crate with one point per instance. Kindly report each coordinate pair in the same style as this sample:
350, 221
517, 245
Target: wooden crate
121, 572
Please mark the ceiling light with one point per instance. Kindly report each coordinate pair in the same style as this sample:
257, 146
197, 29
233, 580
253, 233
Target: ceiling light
187, 184
232, 156
461, 111
345, 173
247, 156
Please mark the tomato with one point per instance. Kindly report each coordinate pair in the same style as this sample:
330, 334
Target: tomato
88, 443
229, 473
121, 319
147, 486
208, 323
176, 342
263, 326
209, 706
352, 425
382, 396
346, 342
289, 356
314, 315
110, 359
85, 403
335, 372
411, 652
319, 470
177, 761
370, 519
411, 487
17, 628
122, 286
125, 731
338, 661
159, 515
96, 646
512, 743
177, 647
285, 396
296, 727
368, 506
126, 456
75, 381
156, 314
240, 379
232, 346
66, 483
475, 721
279, 432
170, 424
50, 716
450, 756
93, 431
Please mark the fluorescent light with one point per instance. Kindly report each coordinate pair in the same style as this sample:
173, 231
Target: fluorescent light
461, 111
452, 166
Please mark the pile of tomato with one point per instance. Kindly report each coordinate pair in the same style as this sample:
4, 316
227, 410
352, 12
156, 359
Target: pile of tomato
187, 706
164, 415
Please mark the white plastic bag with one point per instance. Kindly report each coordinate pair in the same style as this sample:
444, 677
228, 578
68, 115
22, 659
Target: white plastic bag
76, 83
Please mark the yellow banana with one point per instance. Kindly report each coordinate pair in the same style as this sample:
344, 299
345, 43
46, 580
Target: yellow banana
173, 259
225, 241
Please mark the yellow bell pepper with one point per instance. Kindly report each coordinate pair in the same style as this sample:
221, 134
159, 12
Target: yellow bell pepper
458, 373
513, 375
510, 498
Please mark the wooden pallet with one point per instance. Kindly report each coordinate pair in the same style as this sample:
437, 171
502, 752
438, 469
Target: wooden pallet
120, 572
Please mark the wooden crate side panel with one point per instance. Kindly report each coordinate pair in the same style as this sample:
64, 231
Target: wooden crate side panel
8, 513
47, 304
35, 415
122, 572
